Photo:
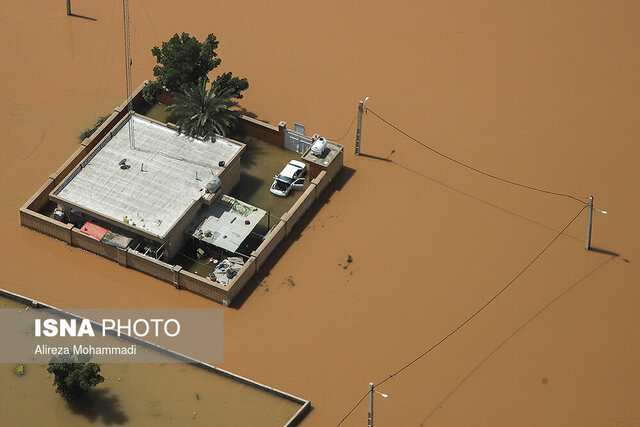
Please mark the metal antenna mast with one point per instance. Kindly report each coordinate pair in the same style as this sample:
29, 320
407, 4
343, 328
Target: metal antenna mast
127, 61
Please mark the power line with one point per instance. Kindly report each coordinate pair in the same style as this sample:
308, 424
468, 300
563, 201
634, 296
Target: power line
487, 303
461, 325
353, 409
471, 167
347, 132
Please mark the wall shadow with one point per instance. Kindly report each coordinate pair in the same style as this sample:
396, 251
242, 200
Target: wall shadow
514, 333
337, 184
98, 405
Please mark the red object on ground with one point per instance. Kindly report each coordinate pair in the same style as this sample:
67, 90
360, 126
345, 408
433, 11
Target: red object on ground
93, 230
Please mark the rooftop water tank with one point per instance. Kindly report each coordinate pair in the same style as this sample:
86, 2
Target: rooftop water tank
213, 185
318, 148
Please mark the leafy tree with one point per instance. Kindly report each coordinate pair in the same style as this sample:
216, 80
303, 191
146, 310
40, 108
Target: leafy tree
89, 131
181, 60
204, 112
74, 378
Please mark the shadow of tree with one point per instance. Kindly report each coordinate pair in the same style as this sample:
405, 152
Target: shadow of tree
99, 405
248, 113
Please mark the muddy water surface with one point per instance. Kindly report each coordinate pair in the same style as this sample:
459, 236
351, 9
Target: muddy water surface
544, 93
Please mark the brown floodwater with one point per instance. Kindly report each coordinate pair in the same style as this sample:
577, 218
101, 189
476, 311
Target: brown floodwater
545, 93
131, 393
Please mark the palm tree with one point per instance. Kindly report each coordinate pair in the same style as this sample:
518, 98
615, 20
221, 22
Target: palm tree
205, 112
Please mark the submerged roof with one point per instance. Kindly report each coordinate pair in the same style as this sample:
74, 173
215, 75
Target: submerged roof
161, 177
226, 223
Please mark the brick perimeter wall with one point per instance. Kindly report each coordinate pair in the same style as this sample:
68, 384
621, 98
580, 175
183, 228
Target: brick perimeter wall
46, 225
151, 266
303, 204
276, 235
264, 131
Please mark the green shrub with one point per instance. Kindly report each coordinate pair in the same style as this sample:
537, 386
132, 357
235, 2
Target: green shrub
89, 131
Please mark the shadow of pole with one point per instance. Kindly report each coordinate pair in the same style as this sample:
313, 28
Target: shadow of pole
82, 17
605, 252
371, 156
514, 333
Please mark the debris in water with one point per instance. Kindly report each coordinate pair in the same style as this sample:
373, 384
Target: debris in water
197, 396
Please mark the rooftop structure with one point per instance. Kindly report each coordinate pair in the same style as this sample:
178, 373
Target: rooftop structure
226, 223
149, 188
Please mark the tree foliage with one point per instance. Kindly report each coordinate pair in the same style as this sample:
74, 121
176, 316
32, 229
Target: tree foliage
89, 131
181, 60
204, 112
74, 378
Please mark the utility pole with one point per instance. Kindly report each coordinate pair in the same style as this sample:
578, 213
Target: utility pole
68, 7
587, 242
370, 416
127, 62
359, 128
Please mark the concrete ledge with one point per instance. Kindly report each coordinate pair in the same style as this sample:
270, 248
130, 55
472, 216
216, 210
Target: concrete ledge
70, 164
268, 245
241, 279
321, 181
40, 197
300, 207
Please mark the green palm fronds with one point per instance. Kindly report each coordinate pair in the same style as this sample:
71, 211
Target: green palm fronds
204, 112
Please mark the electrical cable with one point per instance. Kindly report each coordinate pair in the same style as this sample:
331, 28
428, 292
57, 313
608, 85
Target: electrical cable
347, 132
478, 311
353, 409
487, 303
471, 167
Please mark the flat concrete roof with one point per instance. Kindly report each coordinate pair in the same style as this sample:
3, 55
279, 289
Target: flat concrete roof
226, 223
166, 173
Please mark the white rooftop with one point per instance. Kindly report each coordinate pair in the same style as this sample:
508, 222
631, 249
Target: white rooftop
166, 173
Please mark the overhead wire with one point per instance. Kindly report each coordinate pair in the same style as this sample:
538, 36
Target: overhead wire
347, 132
508, 181
353, 409
468, 319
